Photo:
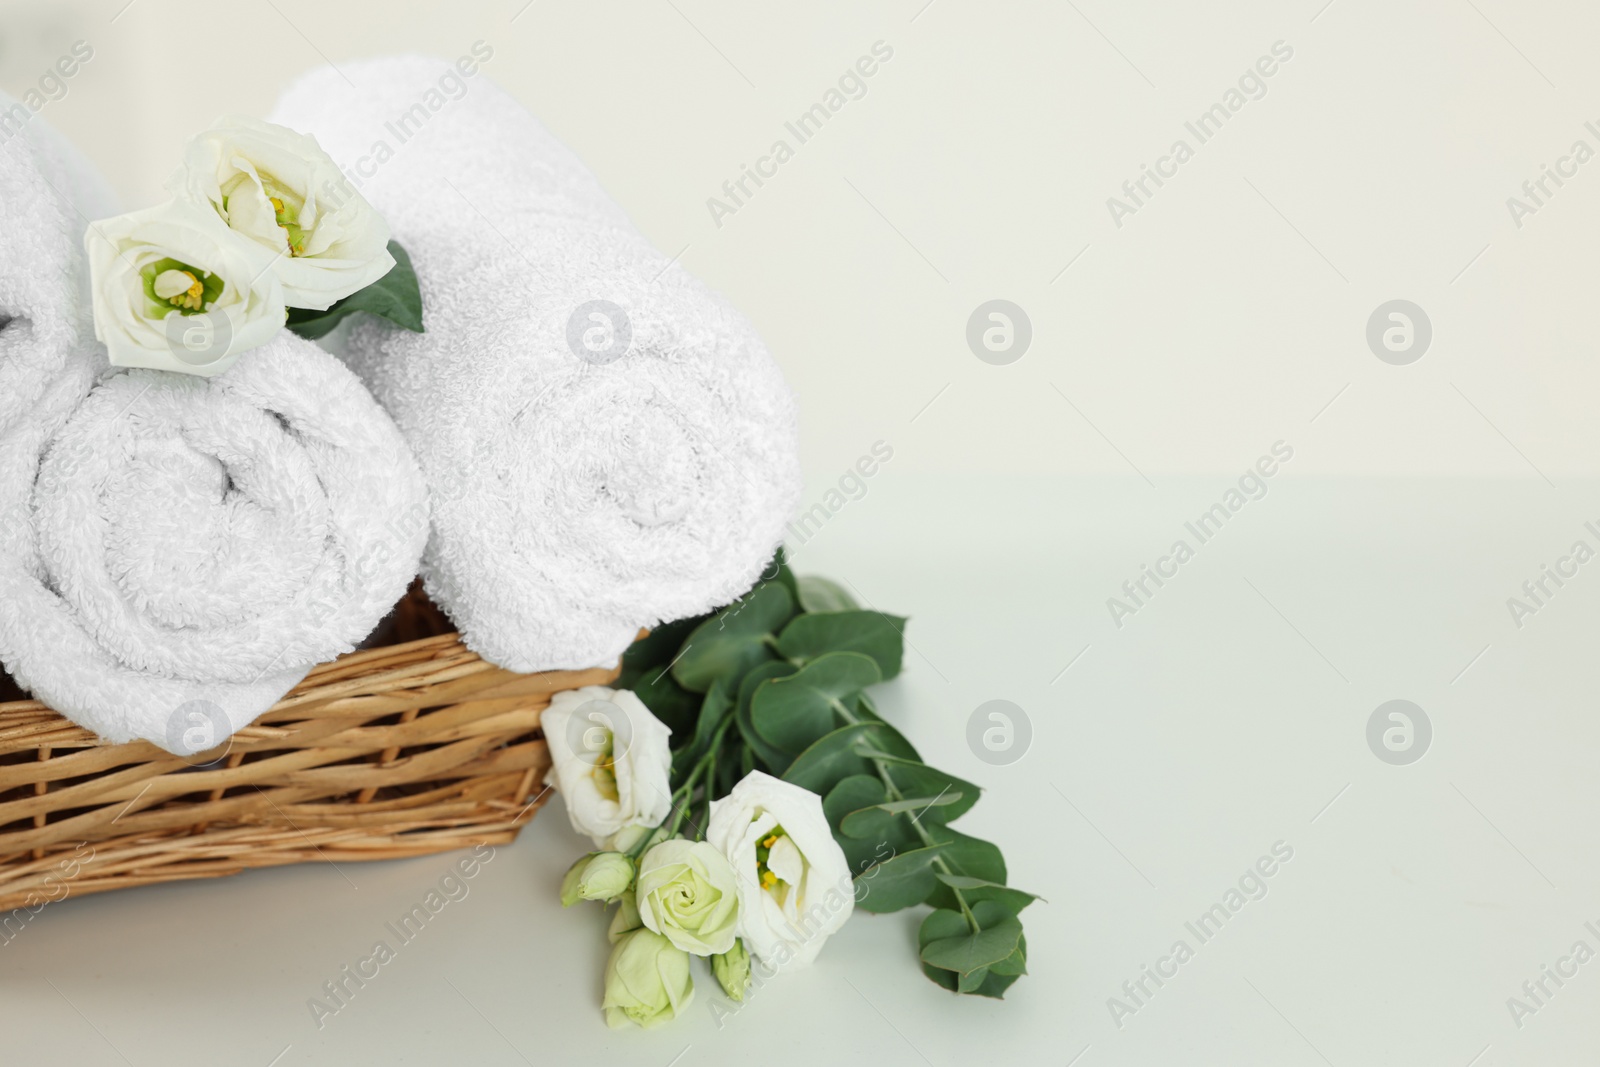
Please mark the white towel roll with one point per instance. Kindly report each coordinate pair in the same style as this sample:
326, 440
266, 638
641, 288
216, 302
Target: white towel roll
199, 544
592, 472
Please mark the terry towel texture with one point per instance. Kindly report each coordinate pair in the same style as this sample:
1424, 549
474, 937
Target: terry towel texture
48, 194
200, 544
579, 493
177, 552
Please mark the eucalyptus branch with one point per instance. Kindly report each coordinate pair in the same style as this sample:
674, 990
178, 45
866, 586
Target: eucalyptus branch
893, 792
788, 666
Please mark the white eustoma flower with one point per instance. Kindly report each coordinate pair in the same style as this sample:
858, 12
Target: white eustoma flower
612, 761
279, 190
175, 290
689, 893
794, 880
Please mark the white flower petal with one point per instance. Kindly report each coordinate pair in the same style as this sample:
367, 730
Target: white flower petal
642, 761
786, 924
346, 241
137, 332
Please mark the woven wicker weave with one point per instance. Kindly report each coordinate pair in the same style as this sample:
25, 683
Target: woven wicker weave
412, 747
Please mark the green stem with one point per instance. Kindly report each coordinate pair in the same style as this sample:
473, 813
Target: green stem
683, 796
893, 792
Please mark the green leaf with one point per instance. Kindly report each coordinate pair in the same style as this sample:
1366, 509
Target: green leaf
656, 649
899, 882
867, 841
793, 713
911, 775
866, 707
858, 791
1014, 964
668, 701
778, 571
824, 594
938, 925
834, 757
871, 633
948, 979
776, 760
996, 939
971, 982
713, 710
970, 856
851, 794
944, 925
995, 985
875, 821
975, 889
734, 640
395, 297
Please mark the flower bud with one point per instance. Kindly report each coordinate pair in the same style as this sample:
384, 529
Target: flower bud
598, 876
732, 971
647, 981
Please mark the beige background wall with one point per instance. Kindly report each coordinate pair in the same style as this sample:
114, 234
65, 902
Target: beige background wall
1221, 316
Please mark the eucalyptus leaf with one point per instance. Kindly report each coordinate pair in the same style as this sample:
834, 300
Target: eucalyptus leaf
875, 821
871, 633
656, 649
395, 297
901, 881
734, 640
973, 890
938, 975
996, 984
856, 791
774, 759
997, 937
778, 571
972, 981
834, 757
1016, 963
793, 713
716, 706
970, 856
667, 700
911, 775
940, 924
851, 794
824, 594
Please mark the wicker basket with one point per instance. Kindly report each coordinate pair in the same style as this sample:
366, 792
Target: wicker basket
411, 747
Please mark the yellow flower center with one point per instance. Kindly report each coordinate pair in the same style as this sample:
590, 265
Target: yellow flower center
180, 289
769, 878
281, 215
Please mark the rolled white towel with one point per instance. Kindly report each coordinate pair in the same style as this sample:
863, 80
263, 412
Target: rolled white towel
578, 495
194, 546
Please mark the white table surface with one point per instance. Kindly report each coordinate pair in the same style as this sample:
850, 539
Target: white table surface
1227, 715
